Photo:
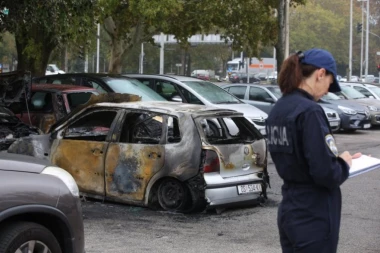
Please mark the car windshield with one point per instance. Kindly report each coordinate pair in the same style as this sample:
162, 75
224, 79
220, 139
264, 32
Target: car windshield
375, 90
331, 96
212, 92
132, 86
351, 92
275, 91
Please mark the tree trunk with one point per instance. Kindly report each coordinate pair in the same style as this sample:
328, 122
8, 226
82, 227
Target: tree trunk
117, 51
280, 45
37, 59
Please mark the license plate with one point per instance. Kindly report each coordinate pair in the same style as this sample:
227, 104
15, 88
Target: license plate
367, 126
249, 188
334, 123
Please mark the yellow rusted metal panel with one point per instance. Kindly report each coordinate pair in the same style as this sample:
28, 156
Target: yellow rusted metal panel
129, 168
84, 160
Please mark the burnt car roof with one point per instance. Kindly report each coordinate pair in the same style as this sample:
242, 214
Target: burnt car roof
170, 107
15, 86
61, 88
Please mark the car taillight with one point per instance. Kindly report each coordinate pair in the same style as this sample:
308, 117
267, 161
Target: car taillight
211, 163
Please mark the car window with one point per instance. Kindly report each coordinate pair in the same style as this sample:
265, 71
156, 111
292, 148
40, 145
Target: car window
238, 91
174, 134
166, 89
228, 130
363, 91
351, 92
147, 82
189, 97
276, 91
212, 93
258, 94
375, 90
142, 128
75, 99
92, 127
41, 102
133, 86
95, 85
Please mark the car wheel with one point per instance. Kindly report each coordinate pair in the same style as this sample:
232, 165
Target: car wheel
173, 195
27, 237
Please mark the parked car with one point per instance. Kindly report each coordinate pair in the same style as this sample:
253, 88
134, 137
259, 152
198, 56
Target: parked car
40, 208
103, 83
50, 102
194, 91
52, 69
265, 96
15, 87
243, 78
368, 90
353, 95
178, 156
352, 115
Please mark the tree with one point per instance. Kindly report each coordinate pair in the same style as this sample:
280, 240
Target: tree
250, 24
40, 26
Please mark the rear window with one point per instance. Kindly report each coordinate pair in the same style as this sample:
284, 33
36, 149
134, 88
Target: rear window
227, 130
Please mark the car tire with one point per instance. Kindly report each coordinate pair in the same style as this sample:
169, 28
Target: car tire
173, 195
20, 236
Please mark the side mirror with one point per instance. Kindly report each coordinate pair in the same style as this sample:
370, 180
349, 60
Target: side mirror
269, 100
177, 99
371, 97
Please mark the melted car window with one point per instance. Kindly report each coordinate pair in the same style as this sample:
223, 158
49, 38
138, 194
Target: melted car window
228, 130
76, 99
174, 134
94, 126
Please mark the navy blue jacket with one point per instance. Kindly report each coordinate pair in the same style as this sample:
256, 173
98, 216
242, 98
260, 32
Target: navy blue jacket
301, 143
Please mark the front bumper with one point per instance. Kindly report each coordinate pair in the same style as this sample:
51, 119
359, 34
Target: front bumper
358, 121
375, 118
334, 124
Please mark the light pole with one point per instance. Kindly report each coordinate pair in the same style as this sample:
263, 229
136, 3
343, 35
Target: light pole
366, 42
350, 50
361, 48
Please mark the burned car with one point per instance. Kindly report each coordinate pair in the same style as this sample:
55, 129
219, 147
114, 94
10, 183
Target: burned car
50, 102
14, 88
175, 156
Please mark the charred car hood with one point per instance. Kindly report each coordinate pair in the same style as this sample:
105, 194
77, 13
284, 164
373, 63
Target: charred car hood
21, 163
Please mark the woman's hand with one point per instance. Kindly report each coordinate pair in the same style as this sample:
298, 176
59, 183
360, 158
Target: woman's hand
347, 157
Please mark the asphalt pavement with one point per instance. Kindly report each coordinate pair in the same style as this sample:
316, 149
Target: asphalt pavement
111, 227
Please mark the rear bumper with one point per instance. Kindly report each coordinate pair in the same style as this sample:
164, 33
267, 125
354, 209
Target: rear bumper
223, 191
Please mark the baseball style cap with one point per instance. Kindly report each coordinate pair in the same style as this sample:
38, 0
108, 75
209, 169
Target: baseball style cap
322, 59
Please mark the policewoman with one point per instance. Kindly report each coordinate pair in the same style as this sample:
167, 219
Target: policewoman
303, 150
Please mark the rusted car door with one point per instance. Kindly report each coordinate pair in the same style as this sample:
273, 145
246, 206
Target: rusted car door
83, 146
136, 156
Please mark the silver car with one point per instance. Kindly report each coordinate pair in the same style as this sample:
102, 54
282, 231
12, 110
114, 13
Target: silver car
195, 91
40, 209
264, 97
176, 156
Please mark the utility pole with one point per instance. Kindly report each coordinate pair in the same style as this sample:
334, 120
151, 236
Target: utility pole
162, 55
286, 51
361, 48
97, 48
350, 50
142, 59
366, 43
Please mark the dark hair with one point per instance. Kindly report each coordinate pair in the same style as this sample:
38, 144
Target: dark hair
292, 72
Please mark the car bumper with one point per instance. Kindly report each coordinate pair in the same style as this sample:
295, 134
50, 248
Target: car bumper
224, 191
334, 124
375, 118
357, 121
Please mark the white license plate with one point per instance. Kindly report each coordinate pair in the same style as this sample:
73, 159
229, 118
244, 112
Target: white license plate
367, 126
334, 124
249, 188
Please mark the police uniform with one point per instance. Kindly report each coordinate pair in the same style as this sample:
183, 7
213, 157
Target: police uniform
305, 155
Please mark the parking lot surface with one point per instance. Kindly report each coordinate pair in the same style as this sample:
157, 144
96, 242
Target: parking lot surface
111, 227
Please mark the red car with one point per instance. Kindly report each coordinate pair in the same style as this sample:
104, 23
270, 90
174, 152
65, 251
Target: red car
50, 102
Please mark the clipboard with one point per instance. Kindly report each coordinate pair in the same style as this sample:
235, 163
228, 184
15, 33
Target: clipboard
363, 164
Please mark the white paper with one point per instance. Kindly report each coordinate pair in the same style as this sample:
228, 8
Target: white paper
363, 164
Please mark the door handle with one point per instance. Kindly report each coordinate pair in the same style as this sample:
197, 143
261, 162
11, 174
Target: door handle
96, 151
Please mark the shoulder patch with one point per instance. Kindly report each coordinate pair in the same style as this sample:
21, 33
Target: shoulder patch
330, 141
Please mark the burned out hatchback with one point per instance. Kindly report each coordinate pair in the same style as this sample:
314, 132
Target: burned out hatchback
176, 156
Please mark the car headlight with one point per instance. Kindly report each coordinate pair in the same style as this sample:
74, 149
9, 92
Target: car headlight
347, 110
372, 108
65, 176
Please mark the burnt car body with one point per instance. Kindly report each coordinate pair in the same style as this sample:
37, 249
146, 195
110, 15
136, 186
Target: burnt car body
50, 102
40, 208
176, 156
14, 88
